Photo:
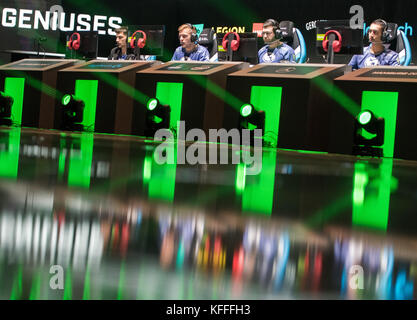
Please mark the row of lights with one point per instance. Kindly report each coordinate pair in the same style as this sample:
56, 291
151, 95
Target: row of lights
158, 117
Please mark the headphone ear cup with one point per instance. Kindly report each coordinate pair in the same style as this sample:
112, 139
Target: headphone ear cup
325, 45
224, 44
141, 43
336, 46
76, 44
235, 45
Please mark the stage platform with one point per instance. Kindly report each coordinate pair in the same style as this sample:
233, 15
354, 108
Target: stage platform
122, 224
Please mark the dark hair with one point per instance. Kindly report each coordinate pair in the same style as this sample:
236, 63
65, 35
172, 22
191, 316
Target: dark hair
381, 23
122, 29
271, 23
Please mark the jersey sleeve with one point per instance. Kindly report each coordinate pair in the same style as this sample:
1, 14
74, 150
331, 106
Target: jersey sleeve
175, 56
205, 56
395, 60
354, 62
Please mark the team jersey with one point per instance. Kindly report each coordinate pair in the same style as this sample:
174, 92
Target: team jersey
283, 53
368, 59
199, 54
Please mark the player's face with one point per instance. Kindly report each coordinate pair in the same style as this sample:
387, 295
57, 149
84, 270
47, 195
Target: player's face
120, 39
375, 32
268, 34
185, 37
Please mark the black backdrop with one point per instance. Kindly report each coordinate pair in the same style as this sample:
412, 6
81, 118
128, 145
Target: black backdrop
220, 13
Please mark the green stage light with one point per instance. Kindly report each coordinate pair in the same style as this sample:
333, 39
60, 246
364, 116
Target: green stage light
6, 103
364, 117
152, 104
157, 117
66, 99
72, 113
246, 110
368, 124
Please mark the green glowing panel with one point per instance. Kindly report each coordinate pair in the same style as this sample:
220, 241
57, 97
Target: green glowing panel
9, 154
79, 171
170, 93
162, 178
268, 99
383, 104
371, 195
258, 193
14, 87
86, 90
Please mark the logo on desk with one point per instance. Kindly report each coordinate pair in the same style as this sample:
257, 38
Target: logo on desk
199, 68
174, 67
286, 70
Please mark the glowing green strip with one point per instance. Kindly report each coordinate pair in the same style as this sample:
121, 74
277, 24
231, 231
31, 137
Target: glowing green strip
35, 292
268, 99
383, 104
14, 87
86, 293
371, 195
9, 160
258, 195
17, 285
86, 90
170, 93
240, 178
68, 286
121, 281
162, 182
79, 171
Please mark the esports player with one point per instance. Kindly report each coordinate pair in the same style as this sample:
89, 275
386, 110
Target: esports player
121, 52
274, 50
375, 54
189, 49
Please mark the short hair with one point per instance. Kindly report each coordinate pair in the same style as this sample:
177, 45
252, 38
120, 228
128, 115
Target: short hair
271, 23
381, 23
122, 29
187, 25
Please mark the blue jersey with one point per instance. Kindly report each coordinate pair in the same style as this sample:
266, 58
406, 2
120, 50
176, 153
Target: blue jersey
368, 59
199, 54
282, 53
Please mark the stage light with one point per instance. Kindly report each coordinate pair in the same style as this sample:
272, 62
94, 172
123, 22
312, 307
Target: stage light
251, 119
72, 113
157, 117
366, 123
6, 103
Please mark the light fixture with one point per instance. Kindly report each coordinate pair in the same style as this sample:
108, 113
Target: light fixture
6, 103
157, 116
368, 134
72, 113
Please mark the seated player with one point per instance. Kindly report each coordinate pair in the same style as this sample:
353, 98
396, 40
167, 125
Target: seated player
376, 54
274, 50
121, 52
189, 49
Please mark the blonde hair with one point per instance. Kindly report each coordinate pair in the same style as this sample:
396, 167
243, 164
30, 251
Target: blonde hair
185, 26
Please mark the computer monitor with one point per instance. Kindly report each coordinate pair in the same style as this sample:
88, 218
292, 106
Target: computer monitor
247, 51
352, 39
155, 36
87, 48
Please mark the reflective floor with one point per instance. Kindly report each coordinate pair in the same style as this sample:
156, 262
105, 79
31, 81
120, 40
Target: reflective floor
87, 216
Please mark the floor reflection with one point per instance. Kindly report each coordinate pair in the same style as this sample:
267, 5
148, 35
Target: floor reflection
87, 216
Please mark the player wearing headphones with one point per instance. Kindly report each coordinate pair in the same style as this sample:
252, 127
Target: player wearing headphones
121, 52
189, 49
274, 50
376, 54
